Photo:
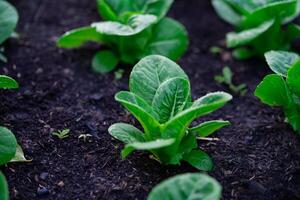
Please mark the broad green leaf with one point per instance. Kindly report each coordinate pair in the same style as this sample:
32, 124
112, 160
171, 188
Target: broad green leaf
177, 126
104, 62
19, 156
8, 145
171, 98
282, 10
4, 194
169, 38
243, 53
8, 20
246, 36
142, 112
77, 37
135, 25
200, 160
147, 76
292, 32
114, 9
293, 79
188, 143
7, 82
226, 12
273, 91
281, 61
292, 113
190, 186
151, 145
207, 128
126, 133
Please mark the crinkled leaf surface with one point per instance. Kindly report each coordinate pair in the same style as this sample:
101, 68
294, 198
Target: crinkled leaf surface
273, 91
115, 9
147, 76
77, 37
8, 145
187, 186
8, 20
135, 25
7, 82
126, 133
281, 61
4, 194
169, 38
171, 98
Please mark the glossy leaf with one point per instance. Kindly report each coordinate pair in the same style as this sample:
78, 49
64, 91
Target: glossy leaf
176, 127
8, 20
147, 76
273, 91
292, 113
187, 186
293, 79
169, 38
78, 37
126, 133
104, 62
200, 160
8, 145
244, 37
281, 61
136, 24
207, 128
141, 110
171, 98
4, 194
156, 144
7, 82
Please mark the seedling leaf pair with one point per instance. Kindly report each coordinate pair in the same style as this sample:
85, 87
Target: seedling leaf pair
283, 88
259, 25
160, 99
132, 30
187, 186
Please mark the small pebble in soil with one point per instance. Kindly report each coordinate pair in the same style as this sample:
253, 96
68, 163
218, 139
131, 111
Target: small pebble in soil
41, 191
44, 175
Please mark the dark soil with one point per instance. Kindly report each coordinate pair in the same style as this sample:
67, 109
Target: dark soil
256, 158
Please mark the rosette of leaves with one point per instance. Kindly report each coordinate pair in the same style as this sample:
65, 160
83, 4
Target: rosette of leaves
261, 26
131, 31
160, 99
8, 22
187, 186
282, 89
10, 151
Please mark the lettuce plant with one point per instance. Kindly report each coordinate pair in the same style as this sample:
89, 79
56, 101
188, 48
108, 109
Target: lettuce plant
282, 89
261, 26
8, 22
131, 31
187, 186
160, 99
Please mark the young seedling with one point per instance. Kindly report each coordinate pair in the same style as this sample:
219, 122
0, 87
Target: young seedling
282, 89
187, 186
259, 25
8, 20
85, 137
131, 31
226, 78
62, 134
160, 99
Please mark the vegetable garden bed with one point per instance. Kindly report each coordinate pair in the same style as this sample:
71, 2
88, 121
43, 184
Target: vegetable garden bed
257, 157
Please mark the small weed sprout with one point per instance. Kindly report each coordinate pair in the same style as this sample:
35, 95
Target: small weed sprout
62, 134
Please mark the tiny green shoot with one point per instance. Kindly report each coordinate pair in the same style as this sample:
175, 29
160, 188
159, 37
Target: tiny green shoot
85, 137
226, 78
62, 134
